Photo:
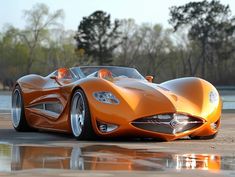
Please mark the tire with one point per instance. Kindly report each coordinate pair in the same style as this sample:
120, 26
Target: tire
204, 137
19, 121
80, 117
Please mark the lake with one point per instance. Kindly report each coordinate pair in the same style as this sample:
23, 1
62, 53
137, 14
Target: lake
5, 101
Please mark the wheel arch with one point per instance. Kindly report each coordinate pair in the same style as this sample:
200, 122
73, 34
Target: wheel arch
89, 86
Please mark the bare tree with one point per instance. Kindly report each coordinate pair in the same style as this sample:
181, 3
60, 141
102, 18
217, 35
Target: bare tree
38, 20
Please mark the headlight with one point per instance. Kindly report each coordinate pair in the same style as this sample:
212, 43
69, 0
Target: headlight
105, 97
214, 96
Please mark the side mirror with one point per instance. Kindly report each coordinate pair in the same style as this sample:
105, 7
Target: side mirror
149, 78
55, 78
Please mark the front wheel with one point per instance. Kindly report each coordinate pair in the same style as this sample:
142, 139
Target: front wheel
80, 117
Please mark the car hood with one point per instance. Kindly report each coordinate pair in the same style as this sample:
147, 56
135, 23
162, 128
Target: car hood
156, 99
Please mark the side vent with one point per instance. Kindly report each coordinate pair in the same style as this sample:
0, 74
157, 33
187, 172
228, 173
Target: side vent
52, 109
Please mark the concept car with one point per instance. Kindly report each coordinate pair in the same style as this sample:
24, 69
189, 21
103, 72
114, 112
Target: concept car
110, 101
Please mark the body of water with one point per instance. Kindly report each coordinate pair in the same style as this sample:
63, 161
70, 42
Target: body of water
228, 101
5, 101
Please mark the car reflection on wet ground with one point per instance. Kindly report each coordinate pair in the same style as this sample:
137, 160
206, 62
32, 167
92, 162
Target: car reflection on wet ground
105, 157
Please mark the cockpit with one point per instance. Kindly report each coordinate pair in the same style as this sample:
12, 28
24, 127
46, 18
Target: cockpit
68, 75
106, 72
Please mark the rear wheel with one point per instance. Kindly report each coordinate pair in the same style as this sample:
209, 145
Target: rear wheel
80, 117
19, 121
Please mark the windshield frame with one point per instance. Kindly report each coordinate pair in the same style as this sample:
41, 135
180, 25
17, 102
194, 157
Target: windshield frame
79, 71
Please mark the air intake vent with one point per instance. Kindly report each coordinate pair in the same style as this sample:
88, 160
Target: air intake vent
168, 123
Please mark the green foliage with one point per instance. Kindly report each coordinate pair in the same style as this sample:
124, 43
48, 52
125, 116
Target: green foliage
12, 54
98, 37
39, 20
210, 23
145, 47
201, 44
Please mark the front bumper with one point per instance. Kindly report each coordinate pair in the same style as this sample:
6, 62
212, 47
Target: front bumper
170, 128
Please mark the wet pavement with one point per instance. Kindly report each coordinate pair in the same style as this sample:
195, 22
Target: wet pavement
106, 157
53, 154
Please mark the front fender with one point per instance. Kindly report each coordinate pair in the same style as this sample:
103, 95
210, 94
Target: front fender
197, 91
134, 103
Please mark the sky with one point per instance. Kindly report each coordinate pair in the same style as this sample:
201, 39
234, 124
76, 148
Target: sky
142, 11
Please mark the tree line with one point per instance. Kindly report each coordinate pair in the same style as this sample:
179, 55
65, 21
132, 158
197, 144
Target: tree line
200, 43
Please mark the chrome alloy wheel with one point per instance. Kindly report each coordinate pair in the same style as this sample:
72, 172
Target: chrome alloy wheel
77, 114
16, 108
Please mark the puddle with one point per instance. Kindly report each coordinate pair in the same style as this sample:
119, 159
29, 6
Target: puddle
107, 157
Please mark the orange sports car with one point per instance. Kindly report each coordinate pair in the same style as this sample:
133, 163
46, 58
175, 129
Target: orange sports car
110, 101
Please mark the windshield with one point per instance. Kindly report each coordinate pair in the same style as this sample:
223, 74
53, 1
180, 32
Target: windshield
85, 71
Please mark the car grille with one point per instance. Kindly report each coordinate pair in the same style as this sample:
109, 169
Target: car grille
168, 123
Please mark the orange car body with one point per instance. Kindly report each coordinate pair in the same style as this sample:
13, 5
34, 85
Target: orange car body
138, 100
